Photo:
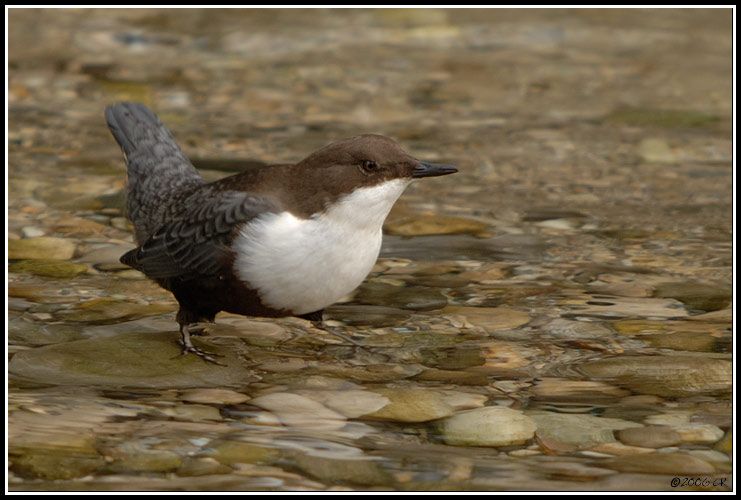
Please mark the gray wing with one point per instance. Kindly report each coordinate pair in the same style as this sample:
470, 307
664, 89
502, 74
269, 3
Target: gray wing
196, 241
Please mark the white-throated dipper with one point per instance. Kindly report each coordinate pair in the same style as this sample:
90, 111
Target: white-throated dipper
281, 240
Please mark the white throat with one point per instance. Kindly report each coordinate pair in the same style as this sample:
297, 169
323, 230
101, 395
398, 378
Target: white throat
304, 265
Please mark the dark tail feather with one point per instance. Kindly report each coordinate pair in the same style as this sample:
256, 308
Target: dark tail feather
158, 169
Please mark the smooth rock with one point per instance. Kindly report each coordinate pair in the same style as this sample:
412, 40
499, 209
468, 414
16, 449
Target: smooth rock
699, 433
577, 430
416, 298
425, 225
214, 396
349, 403
487, 426
48, 267
108, 310
147, 360
650, 436
560, 389
294, 410
44, 247
334, 470
666, 376
675, 464
696, 295
409, 404
488, 318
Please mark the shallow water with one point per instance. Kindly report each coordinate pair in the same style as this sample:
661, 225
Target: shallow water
556, 316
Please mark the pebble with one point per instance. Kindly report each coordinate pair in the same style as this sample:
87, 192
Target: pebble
144, 360
32, 232
551, 388
47, 267
577, 430
621, 449
213, 396
651, 436
489, 318
43, 247
666, 376
696, 295
109, 310
294, 410
699, 433
409, 404
674, 464
417, 298
426, 225
349, 403
488, 426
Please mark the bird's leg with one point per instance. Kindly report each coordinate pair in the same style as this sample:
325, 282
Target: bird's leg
317, 321
188, 347
200, 329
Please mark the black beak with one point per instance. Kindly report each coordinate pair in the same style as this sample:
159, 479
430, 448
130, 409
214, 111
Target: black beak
432, 170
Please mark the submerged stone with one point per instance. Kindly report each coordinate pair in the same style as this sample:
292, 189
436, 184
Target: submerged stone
425, 225
145, 360
44, 247
488, 426
48, 267
668, 376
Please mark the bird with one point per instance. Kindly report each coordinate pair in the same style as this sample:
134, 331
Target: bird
276, 241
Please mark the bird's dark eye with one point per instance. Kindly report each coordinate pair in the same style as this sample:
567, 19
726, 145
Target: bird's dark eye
369, 166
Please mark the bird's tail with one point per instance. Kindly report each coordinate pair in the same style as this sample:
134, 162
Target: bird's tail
159, 172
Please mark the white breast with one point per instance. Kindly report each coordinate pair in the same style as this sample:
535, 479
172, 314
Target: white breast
304, 265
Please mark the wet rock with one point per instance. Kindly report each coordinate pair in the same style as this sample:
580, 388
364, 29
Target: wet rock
364, 315
146, 360
202, 466
567, 329
488, 426
651, 436
107, 310
406, 297
107, 258
696, 295
334, 470
666, 376
669, 419
213, 396
712, 456
408, 404
612, 307
32, 232
294, 410
489, 318
46, 267
656, 150
619, 449
425, 225
575, 390
699, 433
675, 464
52, 463
577, 431
349, 403
44, 247
131, 457
232, 449
192, 412
657, 117
725, 445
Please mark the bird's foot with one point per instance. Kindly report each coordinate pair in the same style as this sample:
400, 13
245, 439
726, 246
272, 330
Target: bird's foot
188, 347
204, 355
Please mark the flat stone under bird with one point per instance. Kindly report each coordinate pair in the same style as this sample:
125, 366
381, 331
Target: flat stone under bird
280, 240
